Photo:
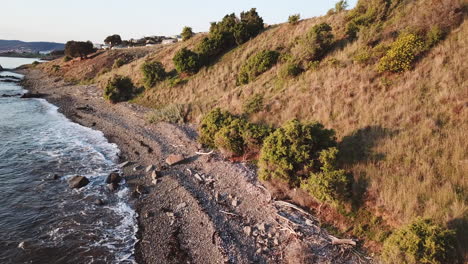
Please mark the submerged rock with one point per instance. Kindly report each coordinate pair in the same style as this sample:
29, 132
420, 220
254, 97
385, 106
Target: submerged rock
77, 182
113, 186
99, 202
33, 95
114, 177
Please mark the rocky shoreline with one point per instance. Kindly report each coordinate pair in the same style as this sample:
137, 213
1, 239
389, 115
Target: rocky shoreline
193, 206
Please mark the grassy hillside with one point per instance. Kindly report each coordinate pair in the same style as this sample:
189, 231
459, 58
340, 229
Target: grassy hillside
402, 135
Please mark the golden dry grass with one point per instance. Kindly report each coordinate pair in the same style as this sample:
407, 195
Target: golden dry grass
404, 135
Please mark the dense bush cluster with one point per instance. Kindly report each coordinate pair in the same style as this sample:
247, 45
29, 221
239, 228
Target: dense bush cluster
118, 89
232, 135
318, 41
78, 49
153, 72
224, 35
290, 69
187, 61
420, 242
402, 53
291, 152
256, 65
113, 40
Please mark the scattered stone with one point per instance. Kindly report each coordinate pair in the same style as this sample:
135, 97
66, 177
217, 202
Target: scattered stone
174, 159
276, 242
137, 168
99, 202
140, 189
198, 177
235, 202
170, 214
53, 177
148, 214
309, 222
112, 186
114, 177
247, 230
21, 245
261, 227
124, 164
77, 182
149, 168
181, 206
255, 233
32, 95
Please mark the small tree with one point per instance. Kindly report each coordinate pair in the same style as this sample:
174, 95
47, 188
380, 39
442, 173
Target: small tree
78, 49
187, 61
294, 19
187, 33
113, 40
256, 65
153, 73
254, 23
341, 6
319, 41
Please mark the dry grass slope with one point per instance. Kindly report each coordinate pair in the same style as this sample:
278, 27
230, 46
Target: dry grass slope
403, 135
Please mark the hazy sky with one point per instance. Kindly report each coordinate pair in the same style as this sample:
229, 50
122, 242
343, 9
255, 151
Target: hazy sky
62, 20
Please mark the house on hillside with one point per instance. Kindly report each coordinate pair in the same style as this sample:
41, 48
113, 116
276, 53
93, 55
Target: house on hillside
169, 41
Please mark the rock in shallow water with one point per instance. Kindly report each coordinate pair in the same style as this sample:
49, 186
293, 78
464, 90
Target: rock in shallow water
114, 177
77, 182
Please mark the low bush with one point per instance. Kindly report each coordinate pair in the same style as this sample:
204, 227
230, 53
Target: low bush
118, 89
229, 138
290, 69
55, 67
253, 105
402, 54
211, 123
319, 41
256, 65
363, 57
212, 46
232, 135
420, 242
187, 61
67, 59
294, 19
330, 184
172, 113
119, 62
153, 72
341, 6
292, 152
434, 36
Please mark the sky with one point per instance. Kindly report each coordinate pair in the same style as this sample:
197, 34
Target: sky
81, 20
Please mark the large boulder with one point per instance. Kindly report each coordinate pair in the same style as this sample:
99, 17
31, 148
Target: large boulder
114, 177
77, 182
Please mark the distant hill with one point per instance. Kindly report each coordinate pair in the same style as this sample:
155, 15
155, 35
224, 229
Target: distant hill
21, 46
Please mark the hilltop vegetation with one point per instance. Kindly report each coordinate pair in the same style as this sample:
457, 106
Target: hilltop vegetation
388, 77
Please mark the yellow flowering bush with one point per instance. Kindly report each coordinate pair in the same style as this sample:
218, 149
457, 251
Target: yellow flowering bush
402, 53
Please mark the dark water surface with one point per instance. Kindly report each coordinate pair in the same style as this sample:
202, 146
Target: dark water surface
42, 220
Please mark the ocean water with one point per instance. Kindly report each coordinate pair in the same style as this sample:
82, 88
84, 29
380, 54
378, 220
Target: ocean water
43, 220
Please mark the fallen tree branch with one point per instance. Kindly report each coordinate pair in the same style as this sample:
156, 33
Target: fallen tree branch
228, 213
204, 153
293, 206
337, 241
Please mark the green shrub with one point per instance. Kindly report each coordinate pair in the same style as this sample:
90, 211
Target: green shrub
330, 184
256, 65
55, 68
187, 61
231, 134
119, 62
212, 46
187, 33
254, 135
420, 242
229, 138
171, 113
434, 36
403, 52
362, 57
153, 72
294, 19
254, 104
291, 152
318, 42
118, 89
290, 69
67, 59
211, 123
